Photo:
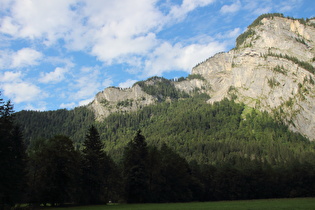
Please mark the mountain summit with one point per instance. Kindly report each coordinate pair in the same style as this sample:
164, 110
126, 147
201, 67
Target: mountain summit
270, 69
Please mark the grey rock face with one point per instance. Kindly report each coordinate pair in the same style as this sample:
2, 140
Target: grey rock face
119, 100
271, 70
261, 78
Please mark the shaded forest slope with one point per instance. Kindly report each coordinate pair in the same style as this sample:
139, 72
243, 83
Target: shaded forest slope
209, 134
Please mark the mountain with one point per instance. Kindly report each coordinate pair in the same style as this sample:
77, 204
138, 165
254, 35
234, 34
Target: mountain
270, 69
254, 102
238, 127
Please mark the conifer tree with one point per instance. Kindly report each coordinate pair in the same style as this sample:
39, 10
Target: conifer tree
96, 169
53, 170
135, 170
12, 157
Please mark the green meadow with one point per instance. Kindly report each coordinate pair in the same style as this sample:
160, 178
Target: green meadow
269, 204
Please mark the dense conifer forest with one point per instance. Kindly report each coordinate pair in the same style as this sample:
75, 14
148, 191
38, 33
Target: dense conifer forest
207, 134
178, 150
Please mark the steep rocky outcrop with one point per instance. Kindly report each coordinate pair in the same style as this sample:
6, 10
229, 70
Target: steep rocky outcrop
119, 100
271, 69
115, 99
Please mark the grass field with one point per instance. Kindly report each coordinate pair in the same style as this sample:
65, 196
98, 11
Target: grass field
269, 204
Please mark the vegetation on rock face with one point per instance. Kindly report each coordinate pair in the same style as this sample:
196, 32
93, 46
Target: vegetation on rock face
280, 69
268, 15
195, 76
161, 88
241, 38
250, 31
305, 65
272, 82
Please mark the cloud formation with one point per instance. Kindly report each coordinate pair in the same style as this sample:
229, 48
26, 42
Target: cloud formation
21, 58
20, 91
68, 50
231, 8
53, 77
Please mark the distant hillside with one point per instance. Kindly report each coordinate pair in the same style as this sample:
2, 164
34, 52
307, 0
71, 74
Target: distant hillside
270, 69
38, 125
198, 131
256, 101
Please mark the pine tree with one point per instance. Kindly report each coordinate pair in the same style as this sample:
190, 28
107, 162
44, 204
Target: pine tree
12, 157
96, 169
175, 173
135, 170
53, 171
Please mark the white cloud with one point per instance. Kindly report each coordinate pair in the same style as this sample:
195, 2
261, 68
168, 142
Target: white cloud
286, 6
86, 84
18, 90
179, 12
262, 10
22, 92
231, 34
169, 57
109, 48
26, 57
107, 82
107, 29
10, 76
8, 27
5, 59
21, 58
39, 106
53, 77
67, 106
85, 102
127, 84
47, 20
231, 8
114, 32
234, 33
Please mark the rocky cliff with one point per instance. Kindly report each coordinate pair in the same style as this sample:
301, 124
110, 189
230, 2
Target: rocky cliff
271, 69
119, 100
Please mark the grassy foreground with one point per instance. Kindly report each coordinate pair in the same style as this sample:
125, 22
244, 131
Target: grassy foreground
269, 204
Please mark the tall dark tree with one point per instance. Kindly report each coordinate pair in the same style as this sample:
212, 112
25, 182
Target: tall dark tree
12, 157
177, 180
135, 170
97, 167
53, 171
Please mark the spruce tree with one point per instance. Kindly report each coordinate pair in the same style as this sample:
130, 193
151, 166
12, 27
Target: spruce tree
96, 169
53, 171
12, 157
135, 170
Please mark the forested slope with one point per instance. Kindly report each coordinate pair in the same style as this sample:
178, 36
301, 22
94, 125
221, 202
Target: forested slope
224, 131
209, 134
72, 123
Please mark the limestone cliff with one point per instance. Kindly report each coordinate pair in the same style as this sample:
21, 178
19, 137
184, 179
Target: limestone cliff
271, 69
119, 100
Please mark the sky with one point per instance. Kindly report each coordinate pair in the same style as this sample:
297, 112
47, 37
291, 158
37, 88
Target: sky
57, 54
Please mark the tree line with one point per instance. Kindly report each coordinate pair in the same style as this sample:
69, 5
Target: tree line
217, 165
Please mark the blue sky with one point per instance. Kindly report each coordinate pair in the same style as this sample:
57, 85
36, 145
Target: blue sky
59, 53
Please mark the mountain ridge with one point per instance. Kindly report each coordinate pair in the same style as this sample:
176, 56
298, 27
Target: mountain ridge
270, 69
268, 73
